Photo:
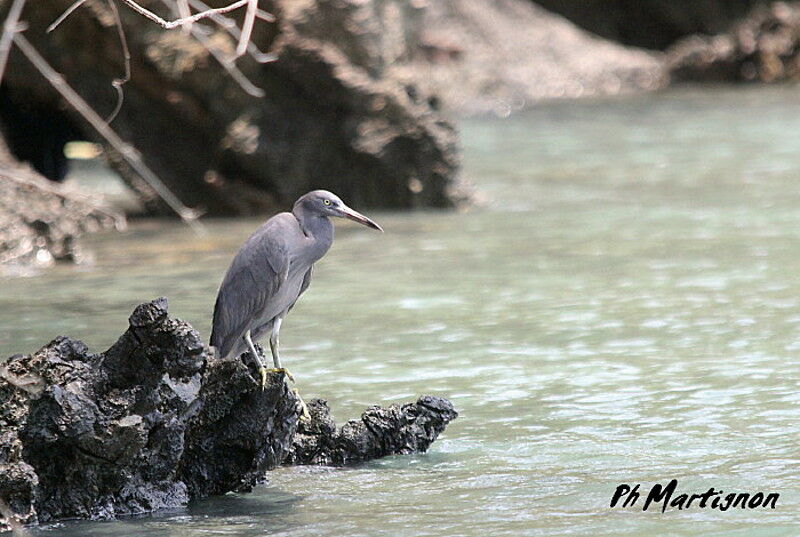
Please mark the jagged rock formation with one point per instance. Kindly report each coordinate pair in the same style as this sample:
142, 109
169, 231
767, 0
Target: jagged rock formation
156, 421
762, 47
399, 429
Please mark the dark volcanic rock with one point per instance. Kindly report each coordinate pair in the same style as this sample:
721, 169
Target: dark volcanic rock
158, 420
240, 432
410, 428
148, 424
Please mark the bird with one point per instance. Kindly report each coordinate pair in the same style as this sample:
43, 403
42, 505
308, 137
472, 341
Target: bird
270, 272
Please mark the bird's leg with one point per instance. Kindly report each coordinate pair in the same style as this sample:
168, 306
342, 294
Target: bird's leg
273, 342
276, 360
273, 345
262, 370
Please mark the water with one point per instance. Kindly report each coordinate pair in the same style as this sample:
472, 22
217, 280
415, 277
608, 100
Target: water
625, 309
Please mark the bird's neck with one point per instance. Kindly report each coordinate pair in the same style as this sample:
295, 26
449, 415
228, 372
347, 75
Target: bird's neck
316, 227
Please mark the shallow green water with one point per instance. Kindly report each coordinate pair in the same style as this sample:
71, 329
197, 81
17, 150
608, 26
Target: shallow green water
626, 308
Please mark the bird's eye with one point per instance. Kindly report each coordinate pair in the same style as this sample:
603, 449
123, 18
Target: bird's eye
326, 202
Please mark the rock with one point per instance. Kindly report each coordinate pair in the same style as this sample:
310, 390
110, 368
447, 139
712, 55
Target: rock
158, 420
239, 432
499, 56
762, 47
399, 429
41, 222
139, 427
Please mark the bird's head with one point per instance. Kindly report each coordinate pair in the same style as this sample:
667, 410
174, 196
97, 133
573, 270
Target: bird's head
327, 203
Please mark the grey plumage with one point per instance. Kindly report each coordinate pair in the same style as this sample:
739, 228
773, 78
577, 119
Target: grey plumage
272, 269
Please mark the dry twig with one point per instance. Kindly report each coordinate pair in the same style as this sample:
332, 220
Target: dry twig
184, 11
185, 20
247, 27
229, 25
10, 27
226, 61
117, 83
61, 18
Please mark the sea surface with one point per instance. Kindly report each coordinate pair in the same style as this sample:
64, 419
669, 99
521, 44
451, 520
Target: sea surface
623, 308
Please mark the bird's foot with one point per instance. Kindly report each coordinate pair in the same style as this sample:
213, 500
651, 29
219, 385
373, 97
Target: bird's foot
281, 370
262, 371
305, 415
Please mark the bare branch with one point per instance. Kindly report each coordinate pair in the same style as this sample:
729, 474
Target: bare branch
61, 18
247, 27
10, 28
131, 156
230, 26
184, 12
225, 60
185, 20
264, 16
117, 83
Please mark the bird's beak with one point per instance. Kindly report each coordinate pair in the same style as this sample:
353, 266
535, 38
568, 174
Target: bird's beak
356, 216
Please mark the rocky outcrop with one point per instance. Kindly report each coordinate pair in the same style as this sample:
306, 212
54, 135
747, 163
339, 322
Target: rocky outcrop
762, 47
41, 221
399, 429
157, 420
498, 56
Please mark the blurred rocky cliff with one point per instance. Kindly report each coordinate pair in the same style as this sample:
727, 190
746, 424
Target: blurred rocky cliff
249, 138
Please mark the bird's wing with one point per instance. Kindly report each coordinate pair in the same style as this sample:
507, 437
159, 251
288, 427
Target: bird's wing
256, 273
303, 286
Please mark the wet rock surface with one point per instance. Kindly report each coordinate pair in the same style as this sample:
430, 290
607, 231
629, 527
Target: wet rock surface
398, 429
158, 420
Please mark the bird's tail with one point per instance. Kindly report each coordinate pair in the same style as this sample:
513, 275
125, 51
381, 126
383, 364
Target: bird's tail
227, 347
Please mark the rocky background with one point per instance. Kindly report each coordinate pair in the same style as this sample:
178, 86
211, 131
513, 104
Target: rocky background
361, 95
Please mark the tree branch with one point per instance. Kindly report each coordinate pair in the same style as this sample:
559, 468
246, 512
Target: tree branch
184, 20
117, 83
61, 18
227, 62
10, 28
184, 12
247, 27
230, 26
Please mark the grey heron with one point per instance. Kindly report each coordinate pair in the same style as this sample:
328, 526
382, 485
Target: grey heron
270, 272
